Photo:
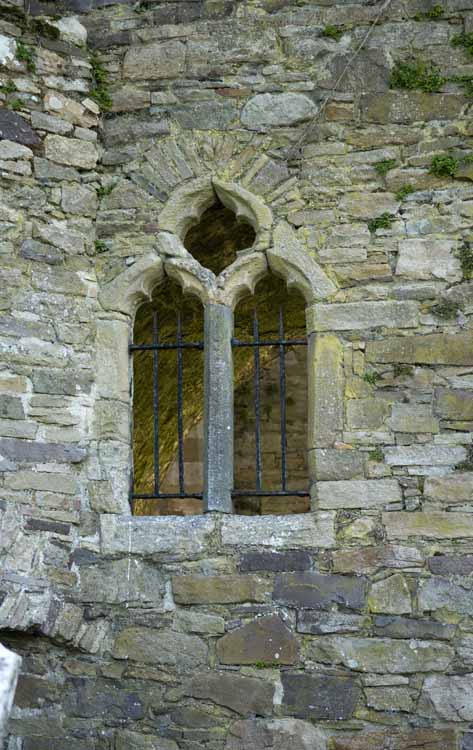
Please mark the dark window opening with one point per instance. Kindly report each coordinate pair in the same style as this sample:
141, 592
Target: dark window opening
168, 398
270, 402
218, 237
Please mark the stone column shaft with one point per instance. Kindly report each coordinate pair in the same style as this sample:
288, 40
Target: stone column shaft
218, 404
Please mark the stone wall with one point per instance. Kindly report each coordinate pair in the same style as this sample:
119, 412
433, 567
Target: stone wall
347, 627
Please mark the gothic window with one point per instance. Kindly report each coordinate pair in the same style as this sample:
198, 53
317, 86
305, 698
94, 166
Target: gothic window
220, 395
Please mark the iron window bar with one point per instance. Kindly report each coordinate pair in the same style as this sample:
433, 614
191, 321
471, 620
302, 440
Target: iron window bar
282, 343
178, 346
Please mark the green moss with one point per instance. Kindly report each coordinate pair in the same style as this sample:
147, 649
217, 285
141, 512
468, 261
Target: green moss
43, 28
465, 256
333, 32
416, 75
444, 165
464, 40
266, 664
25, 55
382, 167
99, 91
104, 190
384, 221
376, 455
465, 81
436, 12
100, 246
446, 309
467, 464
404, 191
402, 371
16, 104
8, 87
371, 377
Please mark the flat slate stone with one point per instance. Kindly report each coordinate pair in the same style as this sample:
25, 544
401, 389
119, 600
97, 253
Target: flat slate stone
275, 734
266, 639
391, 739
320, 696
13, 127
245, 695
276, 562
404, 627
26, 452
316, 591
451, 565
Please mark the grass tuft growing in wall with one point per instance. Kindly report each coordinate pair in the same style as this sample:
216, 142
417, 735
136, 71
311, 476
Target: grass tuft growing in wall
444, 165
465, 41
99, 92
446, 309
333, 32
26, 55
382, 167
385, 221
416, 75
404, 191
465, 256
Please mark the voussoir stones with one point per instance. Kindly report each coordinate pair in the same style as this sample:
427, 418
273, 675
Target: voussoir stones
268, 110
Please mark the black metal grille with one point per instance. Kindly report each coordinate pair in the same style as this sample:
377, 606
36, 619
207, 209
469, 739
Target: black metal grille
179, 346
282, 344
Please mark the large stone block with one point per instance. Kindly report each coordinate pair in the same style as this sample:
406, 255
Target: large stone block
29, 452
322, 623
431, 349
433, 525
306, 530
155, 61
391, 595
118, 581
245, 695
127, 740
413, 418
428, 259
71, 151
394, 739
451, 565
424, 455
164, 648
319, 696
224, 589
358, 493
364, 205
450, 489
326, 386
15, 128
368, 560
405, 627
266, 639
264, 111
317, 591
412, 106
361, 315
179, 538
454, 403
451, 696
381, 655
276, 562
330, 463
275, 734
441, 593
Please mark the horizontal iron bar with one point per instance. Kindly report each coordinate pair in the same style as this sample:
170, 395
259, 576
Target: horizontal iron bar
153, 347
269, 493
271, 342
168, 496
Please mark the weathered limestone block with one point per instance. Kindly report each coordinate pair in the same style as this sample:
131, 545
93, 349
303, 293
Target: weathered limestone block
71, 30
431, 349
405, 627
308, 530
453, 403
442, 593
121, 581
391, 595
432, 525
80, 199
367, 413
264, 111
245, 695
330, 463
393, 739
127, 740
451, 696
370, 559
112, 360
450, 489
381, 655
28, 452
391, 699
9, 672
199, 622
165, 648
155, 61
71, 151
179, 537
368, 205
319, 696
321, 623
362, 315
224, 589
427, 259
12, 150
316, 591
424, 455
266, 639
413, 418
412, 106
326, 386
275, 734
358, 493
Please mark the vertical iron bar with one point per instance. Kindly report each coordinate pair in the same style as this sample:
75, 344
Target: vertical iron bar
282, 397
180, 434
156, 404
257, 399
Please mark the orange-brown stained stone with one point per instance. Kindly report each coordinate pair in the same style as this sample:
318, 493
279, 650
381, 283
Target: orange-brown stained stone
266, 640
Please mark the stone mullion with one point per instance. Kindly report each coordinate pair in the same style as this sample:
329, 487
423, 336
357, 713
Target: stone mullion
218, 406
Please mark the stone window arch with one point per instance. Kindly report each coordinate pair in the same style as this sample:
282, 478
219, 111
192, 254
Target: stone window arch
275, 249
